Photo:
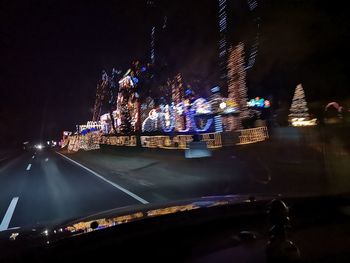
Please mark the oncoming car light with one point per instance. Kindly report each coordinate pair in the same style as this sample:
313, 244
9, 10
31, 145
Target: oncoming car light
39, 146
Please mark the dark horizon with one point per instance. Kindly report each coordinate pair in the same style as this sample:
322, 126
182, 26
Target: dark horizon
53, 54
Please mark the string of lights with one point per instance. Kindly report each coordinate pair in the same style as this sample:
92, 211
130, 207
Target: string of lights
237, 89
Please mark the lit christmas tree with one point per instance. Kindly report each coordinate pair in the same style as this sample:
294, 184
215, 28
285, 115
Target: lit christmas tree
299, 109
299, 113
237, 89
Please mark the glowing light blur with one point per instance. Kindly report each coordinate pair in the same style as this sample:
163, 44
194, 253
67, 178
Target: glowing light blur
259, 103
39, 146
303, 122
222, 105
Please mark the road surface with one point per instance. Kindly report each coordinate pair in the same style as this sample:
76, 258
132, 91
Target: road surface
48, 187
44, 187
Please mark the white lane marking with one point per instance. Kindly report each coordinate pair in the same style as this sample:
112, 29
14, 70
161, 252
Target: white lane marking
141, 200
33, 156
7, 218
14, 228
47, 159
29, 166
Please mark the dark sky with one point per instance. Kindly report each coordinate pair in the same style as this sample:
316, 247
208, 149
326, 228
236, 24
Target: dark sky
52, 53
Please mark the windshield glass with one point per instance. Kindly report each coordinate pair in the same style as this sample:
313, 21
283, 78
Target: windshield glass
110, 104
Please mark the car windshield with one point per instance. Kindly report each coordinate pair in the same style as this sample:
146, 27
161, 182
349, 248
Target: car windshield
110, 104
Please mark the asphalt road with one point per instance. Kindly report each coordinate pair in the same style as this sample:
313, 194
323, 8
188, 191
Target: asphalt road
48, 187
44, 187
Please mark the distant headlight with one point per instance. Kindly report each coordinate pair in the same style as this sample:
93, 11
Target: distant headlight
39, 146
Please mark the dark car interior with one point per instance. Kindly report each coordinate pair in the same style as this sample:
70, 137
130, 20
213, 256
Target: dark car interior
293, 230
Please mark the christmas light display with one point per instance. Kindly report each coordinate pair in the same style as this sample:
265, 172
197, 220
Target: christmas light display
228, 106
198, 116
182, 117
177, 89
105, 121
237, 90
189, 112
334, 105
253, 135
253, 4
167, 117
177, 96
199, 110
101, 92
259, 103
90, 126
65, 139
213, 140
218, 124
153, 44
125, 119
299, 108
127, 106
90, 141
71, 143
164, 118
116, 117
222, 39
146, 107
150, 124
201, 107
223, 11
205, 127
303, 122
119, 140
299, 112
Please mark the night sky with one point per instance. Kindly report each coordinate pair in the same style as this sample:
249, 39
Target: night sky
52, 54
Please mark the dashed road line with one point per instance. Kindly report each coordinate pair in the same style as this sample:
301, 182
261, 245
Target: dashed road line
29, 166
7, 218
